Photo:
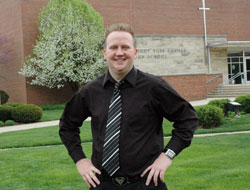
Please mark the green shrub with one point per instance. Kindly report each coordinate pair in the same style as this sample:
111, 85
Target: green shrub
27, 113
53, 107
14, 104
245, 102
1, 123
3, 97
209, 116
5, 113
9, 122
219, 103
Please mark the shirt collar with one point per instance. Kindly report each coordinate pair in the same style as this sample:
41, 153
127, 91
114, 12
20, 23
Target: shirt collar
130, 77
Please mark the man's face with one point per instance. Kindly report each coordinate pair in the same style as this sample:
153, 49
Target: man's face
120, 52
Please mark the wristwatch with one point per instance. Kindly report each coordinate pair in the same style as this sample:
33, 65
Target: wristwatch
170, 153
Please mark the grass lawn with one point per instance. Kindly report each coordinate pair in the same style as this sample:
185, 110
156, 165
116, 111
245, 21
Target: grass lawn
50, 115
211, 163
39, 137
49, 135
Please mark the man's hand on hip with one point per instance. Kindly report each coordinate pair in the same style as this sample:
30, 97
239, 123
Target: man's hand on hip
157, 169
87, 170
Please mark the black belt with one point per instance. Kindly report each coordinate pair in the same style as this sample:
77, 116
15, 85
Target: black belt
119, 180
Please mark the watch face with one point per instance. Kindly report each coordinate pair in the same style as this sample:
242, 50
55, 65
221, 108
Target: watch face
170, 153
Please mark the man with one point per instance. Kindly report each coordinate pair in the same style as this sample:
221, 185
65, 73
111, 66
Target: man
127, 107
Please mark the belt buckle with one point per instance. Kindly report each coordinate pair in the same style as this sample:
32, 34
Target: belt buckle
120, 180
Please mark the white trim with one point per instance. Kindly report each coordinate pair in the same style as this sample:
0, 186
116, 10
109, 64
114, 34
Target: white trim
245, 66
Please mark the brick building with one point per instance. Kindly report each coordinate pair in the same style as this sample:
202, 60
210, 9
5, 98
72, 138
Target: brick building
170, 40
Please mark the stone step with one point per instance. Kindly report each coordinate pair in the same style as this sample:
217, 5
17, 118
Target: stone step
229, 94
220, 96
238, 88
230, 91
227, 91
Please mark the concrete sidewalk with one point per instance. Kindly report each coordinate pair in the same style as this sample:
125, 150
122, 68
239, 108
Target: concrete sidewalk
28, 126
205, 101
53, 123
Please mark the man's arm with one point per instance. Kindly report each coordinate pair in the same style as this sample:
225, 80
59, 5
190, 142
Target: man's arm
176, 109
172, 106
76, 111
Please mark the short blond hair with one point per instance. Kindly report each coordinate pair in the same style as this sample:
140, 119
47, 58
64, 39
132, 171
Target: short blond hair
119, 27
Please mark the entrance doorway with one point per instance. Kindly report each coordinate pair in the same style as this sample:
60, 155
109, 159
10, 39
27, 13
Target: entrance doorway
236, 70
247, 73
239, 68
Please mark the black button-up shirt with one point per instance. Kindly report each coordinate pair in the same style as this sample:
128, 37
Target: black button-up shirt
146, 99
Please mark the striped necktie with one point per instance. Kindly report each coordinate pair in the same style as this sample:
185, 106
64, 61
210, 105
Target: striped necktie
110, 159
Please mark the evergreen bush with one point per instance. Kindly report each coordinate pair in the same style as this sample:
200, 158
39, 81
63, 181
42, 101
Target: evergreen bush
220, 103
13, 104
53, 106
5, 113
1, 123
209, 116
245, 102
9, 122
3, 97
27, 113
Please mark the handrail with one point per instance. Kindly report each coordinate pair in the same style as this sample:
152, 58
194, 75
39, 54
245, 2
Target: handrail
210, 80
220, 89
235, 76
215, 77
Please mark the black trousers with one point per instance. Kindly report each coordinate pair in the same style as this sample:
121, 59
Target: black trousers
139, 185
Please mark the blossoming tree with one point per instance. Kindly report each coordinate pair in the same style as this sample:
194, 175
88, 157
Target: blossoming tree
69, 47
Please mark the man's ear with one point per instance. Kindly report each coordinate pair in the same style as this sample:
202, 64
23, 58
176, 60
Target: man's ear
104, 54
136, 52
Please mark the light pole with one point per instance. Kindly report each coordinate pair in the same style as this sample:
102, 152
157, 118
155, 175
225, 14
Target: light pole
204, 9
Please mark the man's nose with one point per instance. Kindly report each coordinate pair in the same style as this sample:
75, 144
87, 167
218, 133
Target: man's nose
119, 51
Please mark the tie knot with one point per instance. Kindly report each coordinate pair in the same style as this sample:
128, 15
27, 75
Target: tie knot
118, 84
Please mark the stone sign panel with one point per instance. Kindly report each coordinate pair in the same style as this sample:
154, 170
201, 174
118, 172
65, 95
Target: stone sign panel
170, 54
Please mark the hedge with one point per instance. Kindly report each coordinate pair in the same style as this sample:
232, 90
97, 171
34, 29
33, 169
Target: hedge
53, 106
5, 113
27, 113
1, 123
209, 116
3, 97
9, 122
220, 103
245, 102
13, 104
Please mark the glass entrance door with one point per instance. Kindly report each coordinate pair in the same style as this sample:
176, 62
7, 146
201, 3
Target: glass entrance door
248, 69
235, 70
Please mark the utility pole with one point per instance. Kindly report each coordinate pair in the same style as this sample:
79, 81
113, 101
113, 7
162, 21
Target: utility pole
207, 52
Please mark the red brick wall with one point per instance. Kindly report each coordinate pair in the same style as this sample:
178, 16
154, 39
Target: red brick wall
41, 95
30, 11
225, 17
11, 31
190, 87
194, 87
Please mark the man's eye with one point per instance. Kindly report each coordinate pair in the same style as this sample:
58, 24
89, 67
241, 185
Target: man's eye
125, 47
113, 47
